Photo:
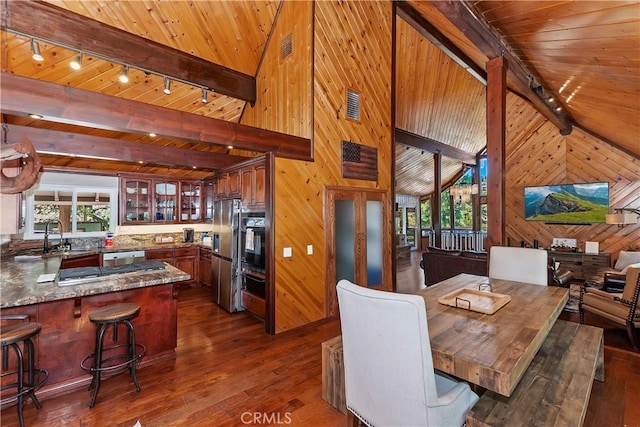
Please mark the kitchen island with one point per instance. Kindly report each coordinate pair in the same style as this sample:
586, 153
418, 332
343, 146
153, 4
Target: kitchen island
67, 335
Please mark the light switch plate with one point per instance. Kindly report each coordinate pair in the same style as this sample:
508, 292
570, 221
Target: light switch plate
309, 249
286, 252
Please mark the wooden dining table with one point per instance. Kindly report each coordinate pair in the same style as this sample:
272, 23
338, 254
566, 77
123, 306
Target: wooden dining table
491, 350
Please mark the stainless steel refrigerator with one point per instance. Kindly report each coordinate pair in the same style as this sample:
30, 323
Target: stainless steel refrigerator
225, 262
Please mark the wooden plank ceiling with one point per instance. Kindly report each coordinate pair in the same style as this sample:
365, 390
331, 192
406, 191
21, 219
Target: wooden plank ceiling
585, 54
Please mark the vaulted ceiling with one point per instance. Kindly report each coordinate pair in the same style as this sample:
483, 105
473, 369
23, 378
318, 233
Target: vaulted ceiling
584, 54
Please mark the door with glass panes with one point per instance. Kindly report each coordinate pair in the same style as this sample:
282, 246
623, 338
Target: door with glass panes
358, 239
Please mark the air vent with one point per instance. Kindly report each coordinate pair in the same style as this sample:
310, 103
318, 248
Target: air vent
286, 46
353, 105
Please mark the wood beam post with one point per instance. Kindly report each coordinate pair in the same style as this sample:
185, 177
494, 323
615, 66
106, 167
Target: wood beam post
62, 104
496, 125
475, 198
82, 145
78, 32
437, 200
463, 15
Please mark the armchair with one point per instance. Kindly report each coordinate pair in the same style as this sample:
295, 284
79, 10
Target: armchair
388, 367
620, 308
559, 276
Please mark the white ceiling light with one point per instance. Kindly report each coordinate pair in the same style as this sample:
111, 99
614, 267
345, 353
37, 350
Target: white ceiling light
35, 49
76, 63
124, 75
167, 86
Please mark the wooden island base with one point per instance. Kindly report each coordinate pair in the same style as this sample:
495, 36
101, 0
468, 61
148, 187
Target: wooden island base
67, 336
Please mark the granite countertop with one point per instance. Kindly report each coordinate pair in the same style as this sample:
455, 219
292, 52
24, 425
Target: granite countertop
19, 277
78, 252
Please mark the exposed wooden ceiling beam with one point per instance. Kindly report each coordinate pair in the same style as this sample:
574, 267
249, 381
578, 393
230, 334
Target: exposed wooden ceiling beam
76, 144
433, 146
62, 104
74, 31
464, 16
431, 33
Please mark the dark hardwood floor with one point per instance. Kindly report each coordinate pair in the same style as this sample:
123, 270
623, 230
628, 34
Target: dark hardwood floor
227, 372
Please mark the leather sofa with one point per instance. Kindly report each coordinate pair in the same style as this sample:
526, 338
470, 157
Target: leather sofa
441, 264
613, 279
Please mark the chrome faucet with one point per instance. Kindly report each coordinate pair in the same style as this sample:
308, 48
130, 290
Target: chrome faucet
46, 234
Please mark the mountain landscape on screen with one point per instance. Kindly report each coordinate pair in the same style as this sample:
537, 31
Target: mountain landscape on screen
567, 203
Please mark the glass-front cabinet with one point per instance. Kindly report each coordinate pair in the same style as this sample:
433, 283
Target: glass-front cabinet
153, 200
165, 201
135, 196
190, 201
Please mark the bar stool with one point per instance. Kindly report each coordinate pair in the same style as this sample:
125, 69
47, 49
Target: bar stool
10, 337
114, 315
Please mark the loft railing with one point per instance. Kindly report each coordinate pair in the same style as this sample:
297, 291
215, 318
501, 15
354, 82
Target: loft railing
459, 240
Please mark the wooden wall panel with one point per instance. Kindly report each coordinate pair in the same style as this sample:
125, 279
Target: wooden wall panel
284, 85
538, 155
349, 38
432, 87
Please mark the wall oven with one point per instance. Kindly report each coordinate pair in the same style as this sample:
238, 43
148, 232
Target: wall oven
253, 238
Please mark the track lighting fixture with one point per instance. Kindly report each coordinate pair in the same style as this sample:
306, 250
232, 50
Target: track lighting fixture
204, 96
76, 63
35, 49
124, 75
167, 86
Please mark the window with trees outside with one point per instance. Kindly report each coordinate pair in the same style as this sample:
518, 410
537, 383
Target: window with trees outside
75, 211
461, 199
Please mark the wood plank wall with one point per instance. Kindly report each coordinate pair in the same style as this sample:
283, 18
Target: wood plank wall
538, 155
351, 50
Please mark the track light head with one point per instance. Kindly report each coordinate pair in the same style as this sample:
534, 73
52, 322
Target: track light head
167, 86
76, 63
35, 49
204, 96
124, 75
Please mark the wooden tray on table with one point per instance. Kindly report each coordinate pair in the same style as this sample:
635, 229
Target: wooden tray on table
475, 300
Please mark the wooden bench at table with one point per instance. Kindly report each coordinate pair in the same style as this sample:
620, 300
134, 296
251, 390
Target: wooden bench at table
556, 387
333, 374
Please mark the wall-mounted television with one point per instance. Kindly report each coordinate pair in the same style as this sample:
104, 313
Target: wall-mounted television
567, 203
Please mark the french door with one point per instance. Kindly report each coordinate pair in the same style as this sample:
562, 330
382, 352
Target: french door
358, 231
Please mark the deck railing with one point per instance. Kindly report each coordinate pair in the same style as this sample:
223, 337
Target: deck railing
459, 240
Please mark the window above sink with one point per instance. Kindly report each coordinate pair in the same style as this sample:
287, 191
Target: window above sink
73, 205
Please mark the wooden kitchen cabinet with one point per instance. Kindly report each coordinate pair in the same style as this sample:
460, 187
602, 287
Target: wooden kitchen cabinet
253, 293
253, 304
67, 335
165, 197
204, 267
209, 187
253, 186
259, 195
164, 255
228, 185
186, 259
190, 201
246, 181
135, 200
158, 200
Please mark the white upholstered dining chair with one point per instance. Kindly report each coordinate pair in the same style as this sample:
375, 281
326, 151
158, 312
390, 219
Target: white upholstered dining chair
519, 264
389, 374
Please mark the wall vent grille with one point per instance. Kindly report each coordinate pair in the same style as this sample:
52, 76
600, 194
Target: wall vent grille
353, 105
286, 46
